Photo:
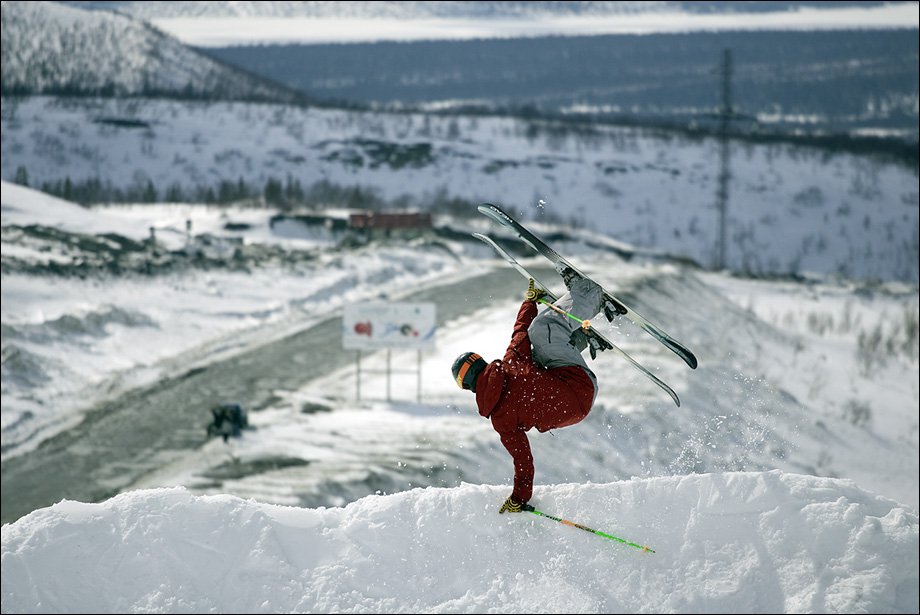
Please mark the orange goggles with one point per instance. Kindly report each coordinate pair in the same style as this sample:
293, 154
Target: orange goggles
466, 367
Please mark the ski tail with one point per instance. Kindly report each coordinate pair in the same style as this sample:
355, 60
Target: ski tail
669, 342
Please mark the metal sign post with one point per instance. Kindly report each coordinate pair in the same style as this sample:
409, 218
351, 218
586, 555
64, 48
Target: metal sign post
358, 392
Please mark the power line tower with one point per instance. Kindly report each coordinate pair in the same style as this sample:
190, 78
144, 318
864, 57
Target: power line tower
725, 118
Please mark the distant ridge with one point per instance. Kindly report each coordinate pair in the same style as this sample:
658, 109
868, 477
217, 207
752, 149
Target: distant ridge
49, 48
372, 9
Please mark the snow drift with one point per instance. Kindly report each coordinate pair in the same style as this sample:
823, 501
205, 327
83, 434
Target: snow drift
768, 542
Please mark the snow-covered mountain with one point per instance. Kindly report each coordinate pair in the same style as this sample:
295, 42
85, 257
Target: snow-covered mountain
791, 209
727, 543
49, 47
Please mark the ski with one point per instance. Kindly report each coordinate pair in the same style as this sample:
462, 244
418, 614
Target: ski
596, 341
614, 306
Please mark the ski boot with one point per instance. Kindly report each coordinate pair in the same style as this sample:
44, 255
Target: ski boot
612, 309
568, 275
581, 339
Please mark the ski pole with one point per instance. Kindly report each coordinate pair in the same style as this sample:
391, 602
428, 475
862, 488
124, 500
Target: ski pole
533, 510
585, 324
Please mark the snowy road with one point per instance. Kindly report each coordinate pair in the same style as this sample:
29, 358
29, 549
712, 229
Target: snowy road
127, 437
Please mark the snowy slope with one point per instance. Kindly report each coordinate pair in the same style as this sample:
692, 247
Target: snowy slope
814, 377
791, 209
727, 542
68, 341
48, 47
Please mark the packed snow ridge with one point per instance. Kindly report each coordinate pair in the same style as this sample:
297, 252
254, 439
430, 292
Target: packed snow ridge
761, 542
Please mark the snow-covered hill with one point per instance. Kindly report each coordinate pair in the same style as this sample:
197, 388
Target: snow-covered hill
792, 209
727, 542
49, 47
812, 377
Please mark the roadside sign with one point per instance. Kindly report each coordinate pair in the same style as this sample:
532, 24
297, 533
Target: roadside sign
375, 326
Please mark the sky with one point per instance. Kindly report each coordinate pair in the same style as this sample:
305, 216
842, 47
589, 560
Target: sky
226, 31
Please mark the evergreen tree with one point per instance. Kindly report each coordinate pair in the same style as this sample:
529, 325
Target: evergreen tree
274, 192
22, 176
150, 193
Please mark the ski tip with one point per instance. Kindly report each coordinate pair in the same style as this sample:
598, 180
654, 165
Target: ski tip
673, 345
487, 209
673, 395
493, 211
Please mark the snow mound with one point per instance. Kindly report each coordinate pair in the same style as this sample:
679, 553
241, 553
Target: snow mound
730, 542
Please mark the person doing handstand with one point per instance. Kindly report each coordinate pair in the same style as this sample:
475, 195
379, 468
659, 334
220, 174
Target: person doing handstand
542, 382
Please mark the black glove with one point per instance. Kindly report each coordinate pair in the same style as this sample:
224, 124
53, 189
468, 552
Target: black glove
513, 506
533, 293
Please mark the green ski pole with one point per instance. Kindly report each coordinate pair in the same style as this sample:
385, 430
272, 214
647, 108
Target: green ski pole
585, 324
533, 510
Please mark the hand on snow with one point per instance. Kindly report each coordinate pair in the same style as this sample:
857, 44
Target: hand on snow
512, 505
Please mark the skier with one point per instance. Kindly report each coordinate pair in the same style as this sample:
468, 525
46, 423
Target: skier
543, 381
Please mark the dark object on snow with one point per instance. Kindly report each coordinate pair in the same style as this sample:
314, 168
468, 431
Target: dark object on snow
229, 420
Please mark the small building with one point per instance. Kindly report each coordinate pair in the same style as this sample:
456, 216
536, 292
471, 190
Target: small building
386, 225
